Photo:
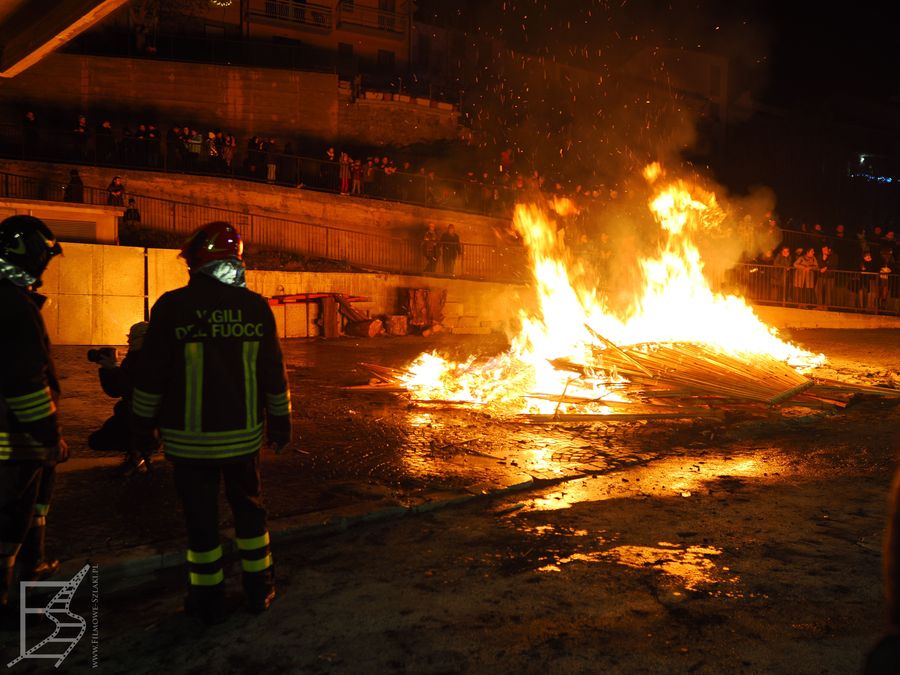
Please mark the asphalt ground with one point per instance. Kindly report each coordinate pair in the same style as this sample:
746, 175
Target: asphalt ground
773, 523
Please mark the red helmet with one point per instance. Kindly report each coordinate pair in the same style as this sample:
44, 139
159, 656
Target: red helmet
214, 241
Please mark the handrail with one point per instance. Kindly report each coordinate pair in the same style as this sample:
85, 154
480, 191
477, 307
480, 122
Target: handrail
266, 232
291, 170
354, 14
845, 290
297, 11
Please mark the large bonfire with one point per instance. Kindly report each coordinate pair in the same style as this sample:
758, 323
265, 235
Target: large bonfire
679, 347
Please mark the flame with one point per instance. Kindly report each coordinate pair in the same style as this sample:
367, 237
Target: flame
676, 304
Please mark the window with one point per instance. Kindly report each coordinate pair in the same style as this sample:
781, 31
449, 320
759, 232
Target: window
385, 61
424, 50
386, 11
346, 63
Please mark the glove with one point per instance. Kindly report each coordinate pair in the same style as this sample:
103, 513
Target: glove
62, 451
144, 441
278, 441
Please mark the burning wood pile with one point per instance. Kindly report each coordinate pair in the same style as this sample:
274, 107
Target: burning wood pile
683, 351
660, 381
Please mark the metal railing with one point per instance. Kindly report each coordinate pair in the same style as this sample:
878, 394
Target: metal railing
298, 11
205, 49
290, 170
846, 290
264, 232
351, 13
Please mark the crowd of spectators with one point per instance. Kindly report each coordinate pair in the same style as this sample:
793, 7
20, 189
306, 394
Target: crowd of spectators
189, 148
812, 266
815, 266
491, 186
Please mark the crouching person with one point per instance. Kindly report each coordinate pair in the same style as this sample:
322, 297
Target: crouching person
117, 381
211, 373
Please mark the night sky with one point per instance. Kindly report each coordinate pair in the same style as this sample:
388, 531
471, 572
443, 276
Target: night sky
784, 52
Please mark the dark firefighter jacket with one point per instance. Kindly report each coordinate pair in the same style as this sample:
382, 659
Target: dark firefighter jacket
28, 386
210, 369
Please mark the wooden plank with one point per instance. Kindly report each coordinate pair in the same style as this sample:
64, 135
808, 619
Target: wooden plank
619, 417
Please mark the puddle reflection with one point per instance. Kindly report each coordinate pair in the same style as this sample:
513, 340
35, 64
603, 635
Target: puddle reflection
693, 567
677, 476
690, 565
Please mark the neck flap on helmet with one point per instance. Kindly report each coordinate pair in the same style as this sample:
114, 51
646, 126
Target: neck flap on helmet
229, 271
17, 275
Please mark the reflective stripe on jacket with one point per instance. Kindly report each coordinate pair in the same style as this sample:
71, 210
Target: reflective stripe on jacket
211, 375
28, 386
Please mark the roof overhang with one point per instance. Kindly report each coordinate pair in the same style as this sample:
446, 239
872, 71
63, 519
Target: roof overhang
31, 29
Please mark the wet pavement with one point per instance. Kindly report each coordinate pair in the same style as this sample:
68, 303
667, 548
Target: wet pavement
746, 545
370, 455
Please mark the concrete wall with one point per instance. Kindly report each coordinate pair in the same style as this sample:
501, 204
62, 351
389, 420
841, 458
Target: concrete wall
96, 292
358, 214
286, 104
70, 222
788, 317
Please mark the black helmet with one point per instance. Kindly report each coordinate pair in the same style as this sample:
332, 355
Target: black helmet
27, 243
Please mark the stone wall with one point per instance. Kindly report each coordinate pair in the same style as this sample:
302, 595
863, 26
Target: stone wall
385, 119
243, 100
286, 104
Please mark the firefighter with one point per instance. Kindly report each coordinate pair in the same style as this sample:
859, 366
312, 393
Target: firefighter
30, 440
211, 371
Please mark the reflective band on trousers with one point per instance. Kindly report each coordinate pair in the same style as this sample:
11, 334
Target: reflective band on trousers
41, 509
202, 557
257, 565
207, 579
253, 542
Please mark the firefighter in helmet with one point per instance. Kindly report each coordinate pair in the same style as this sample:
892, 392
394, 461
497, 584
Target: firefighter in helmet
211, 380
30, 440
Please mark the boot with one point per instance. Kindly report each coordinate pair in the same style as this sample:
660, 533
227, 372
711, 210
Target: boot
9, 615
34, 564
206, 603
134, 465
259, 587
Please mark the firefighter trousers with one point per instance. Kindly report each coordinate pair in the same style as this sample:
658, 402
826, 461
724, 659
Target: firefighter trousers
197, 485
26, 487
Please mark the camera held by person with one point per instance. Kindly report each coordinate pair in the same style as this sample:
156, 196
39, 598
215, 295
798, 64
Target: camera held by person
117, 380
103, 355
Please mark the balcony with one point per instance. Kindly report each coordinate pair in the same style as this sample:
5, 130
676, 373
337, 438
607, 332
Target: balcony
353, 16
307, 14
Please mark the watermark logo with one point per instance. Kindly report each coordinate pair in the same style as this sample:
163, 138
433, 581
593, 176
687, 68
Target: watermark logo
68, 627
